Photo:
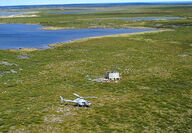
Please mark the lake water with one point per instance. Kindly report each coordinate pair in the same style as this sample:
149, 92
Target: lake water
71, 12
101, 5
14, 36
151, 18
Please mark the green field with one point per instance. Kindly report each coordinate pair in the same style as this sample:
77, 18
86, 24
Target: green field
102, 19
154, 94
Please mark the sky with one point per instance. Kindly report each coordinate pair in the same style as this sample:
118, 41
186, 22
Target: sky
43, 2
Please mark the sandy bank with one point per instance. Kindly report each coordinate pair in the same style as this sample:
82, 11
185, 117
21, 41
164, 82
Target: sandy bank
19, 16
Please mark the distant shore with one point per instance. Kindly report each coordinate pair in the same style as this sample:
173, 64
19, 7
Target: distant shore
22, 15
18, 16
67, 28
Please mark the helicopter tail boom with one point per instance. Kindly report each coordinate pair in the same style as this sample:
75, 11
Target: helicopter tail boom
65, 100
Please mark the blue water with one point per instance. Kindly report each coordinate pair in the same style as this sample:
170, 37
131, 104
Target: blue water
151, 18
71, 12
105, 5
14, 36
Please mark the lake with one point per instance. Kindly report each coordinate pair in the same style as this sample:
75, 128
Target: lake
71, 12
14, 36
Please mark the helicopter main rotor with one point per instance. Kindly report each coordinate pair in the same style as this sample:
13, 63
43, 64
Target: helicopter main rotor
82, 97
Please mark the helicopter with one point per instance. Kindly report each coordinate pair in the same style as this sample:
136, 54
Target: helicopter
80, 101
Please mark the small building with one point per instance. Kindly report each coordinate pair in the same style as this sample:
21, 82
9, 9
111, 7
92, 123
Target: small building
112, 76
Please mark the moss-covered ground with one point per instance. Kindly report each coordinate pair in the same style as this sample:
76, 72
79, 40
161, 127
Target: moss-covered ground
154, 94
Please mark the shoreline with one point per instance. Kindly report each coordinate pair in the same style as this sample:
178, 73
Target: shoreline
83, 40
48, 46
99, 37
21, 15
71, 28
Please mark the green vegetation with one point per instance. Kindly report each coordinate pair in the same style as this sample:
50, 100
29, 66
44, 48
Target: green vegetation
99, 19
154, 95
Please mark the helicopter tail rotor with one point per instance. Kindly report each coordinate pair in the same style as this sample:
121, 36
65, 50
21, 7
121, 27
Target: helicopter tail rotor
61, 99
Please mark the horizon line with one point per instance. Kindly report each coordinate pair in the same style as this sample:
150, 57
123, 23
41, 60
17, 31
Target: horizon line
162, 2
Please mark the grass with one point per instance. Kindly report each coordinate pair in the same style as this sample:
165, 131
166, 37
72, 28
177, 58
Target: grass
154, 94
95, 20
